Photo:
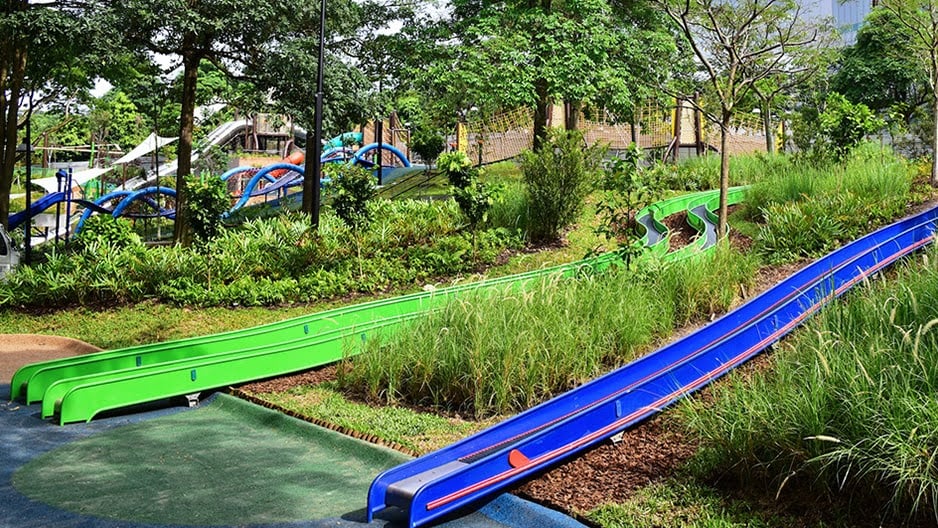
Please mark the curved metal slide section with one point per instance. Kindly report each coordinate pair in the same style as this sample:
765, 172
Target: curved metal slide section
457, 476
40, 205
81, 387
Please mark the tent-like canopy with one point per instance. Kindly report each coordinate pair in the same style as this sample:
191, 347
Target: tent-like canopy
51, 184
148, 145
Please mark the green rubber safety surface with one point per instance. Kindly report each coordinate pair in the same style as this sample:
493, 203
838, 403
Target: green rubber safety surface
228, 463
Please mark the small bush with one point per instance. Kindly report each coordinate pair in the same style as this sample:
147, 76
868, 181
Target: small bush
558, 179
427, 143
104, 229
352, 188
208, 202
458, 169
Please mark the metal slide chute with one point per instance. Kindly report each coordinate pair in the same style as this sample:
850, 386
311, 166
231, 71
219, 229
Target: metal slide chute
479, 466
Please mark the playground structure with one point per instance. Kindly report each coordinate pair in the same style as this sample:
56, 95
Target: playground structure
141, 198
9, 257
668, 132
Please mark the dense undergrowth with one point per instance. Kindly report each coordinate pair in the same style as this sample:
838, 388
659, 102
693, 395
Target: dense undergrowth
504, 351
266, 261
806, 210
848, 405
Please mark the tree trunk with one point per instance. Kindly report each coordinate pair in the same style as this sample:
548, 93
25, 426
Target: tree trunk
934, 142
572, 110
190, 76
767, 125
724, 176
13, 53
541, 113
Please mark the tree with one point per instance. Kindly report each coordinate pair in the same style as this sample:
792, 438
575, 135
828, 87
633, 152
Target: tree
881, 70
228, 33
114, 119
495, 55
739, 44
920, 18
44, 50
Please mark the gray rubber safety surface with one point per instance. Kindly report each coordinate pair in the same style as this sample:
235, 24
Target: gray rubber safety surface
27, 439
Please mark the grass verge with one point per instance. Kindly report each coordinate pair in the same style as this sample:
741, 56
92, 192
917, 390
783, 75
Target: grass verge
847, 408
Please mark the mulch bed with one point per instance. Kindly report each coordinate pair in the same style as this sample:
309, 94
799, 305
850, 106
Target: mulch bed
681, 233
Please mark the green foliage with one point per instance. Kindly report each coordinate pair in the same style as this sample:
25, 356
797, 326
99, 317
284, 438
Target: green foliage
268, 261
843, 125
503, 350
208, 202
626, 188
104, 229
558, 179
506, 55
427, 143
474, 201
458, 168
114, 119
809, 209
351, 189
847, 407
881, 69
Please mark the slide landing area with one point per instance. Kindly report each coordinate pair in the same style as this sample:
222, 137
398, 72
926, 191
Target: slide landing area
88, 475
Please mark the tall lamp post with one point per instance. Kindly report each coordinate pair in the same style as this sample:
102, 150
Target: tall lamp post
315, 148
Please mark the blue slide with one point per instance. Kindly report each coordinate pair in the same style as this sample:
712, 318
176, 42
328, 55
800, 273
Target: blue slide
35, 208
486, 463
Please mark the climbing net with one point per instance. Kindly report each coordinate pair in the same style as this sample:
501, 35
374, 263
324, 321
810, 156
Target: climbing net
500, 137
656, 128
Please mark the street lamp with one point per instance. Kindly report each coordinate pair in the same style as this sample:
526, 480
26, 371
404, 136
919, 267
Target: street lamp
314, 149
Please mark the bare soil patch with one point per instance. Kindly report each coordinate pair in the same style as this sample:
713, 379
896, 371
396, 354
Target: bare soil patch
17, 350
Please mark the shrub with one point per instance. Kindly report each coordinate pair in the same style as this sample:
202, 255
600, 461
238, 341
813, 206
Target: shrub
458, 168
558, 179
843, 125
352, 188
208, 202
626, 187
427, 143
107, 230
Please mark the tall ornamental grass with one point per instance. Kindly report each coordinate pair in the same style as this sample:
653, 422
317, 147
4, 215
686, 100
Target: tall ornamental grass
849, 405
503, 351
808, 209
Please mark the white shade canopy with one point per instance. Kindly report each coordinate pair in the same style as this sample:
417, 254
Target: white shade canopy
148, 145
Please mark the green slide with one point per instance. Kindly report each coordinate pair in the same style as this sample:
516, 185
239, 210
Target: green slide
81, 387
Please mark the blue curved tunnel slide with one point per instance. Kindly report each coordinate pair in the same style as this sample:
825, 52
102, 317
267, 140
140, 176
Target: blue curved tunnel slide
464, 473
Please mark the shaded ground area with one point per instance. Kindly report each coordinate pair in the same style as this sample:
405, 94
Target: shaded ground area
155, 468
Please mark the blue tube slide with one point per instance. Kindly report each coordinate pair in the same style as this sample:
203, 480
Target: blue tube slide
263, 173
359, 156
40, 205
481, 465
143, 194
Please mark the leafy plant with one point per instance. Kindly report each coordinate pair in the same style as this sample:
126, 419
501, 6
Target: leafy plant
626, 188
352, 188
558, 179
107, 230
427, 143
208, 202
843, 125
458, 168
